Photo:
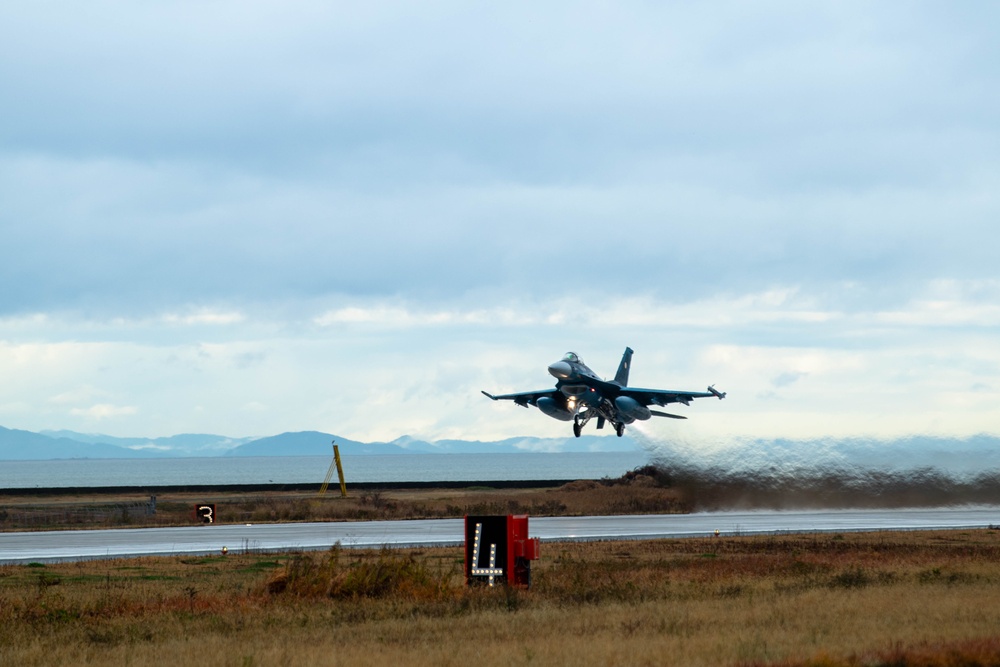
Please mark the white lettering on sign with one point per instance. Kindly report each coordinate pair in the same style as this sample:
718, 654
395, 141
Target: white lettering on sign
490, 572
205, 512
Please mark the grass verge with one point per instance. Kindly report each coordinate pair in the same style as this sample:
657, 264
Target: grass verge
856, 599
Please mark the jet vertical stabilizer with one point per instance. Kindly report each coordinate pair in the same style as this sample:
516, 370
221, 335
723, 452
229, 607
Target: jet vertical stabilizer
621, 377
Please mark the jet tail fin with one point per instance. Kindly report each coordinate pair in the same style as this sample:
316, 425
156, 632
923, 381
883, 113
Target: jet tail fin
621, 377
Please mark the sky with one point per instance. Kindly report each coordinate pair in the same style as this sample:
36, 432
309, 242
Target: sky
247, 218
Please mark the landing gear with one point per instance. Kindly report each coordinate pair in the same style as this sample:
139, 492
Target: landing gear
579, 421
577, 427
620, 429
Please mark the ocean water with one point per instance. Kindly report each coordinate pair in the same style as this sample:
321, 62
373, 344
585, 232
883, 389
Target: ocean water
306, 469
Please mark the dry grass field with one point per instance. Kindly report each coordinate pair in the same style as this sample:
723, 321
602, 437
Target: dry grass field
892, 598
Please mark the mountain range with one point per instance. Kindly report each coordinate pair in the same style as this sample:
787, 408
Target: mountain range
27, 445
965, 456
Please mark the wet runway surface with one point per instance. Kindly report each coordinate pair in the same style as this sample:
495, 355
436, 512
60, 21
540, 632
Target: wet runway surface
208, 539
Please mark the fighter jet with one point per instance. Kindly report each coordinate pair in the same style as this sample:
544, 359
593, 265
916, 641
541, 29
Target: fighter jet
580, 395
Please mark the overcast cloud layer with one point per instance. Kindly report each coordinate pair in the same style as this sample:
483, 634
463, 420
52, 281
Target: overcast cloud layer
247, 218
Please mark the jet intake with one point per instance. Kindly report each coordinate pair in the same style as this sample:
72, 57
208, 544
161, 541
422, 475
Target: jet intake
629, 407
553, 409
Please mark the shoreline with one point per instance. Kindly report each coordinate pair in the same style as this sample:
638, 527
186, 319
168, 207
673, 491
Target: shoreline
279, 487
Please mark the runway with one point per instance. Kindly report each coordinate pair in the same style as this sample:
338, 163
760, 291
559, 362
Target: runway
72, 545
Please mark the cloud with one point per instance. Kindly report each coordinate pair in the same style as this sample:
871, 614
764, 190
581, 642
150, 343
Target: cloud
78, 395
952, 303
403, 317
295, 157
150, 446
787, 379
104, 411
204, 317
324, 210
378, 370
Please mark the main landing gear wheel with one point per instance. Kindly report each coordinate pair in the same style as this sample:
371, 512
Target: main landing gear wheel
620, 429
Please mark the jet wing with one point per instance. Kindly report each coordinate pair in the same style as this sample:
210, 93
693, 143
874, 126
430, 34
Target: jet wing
524, 398
663, 397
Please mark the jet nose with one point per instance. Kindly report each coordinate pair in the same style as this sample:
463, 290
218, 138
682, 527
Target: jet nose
560, 369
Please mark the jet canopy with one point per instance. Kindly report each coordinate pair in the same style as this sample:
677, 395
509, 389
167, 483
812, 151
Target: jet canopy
572, 356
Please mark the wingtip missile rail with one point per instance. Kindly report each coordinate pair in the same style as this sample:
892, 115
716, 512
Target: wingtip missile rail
715, 392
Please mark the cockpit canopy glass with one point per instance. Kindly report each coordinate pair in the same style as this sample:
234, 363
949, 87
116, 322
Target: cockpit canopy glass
571, 356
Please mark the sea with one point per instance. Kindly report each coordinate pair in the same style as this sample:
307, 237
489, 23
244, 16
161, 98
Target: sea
313, 469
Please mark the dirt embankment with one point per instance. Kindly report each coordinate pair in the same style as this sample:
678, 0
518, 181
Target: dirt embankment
636, 492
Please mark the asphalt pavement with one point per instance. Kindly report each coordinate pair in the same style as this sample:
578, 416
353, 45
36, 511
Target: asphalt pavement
68, 545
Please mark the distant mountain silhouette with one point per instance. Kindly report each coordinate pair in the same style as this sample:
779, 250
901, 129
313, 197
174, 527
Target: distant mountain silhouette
309, 443
964, 456
16, 445
26, 445
185, 444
